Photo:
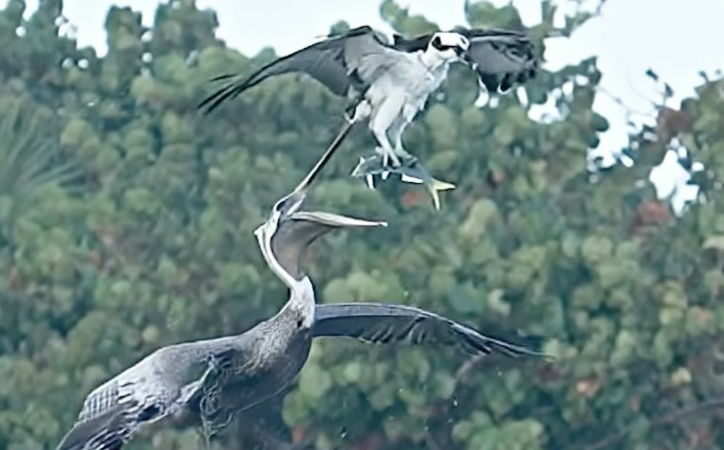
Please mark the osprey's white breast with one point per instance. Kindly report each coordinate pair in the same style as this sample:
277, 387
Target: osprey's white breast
410, 78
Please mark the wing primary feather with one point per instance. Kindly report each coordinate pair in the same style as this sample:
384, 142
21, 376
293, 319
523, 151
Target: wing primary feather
214, 100
408, 331
93, 431
472, 345
225, 76
383, 322
325, 61
501, 58
487, 344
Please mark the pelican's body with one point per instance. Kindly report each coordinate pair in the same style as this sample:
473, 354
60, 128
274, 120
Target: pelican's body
217, 378
254, 365
273, 353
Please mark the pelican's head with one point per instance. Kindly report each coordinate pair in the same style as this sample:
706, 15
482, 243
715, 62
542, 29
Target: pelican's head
449, 45
284, 240
281, 211
287, 232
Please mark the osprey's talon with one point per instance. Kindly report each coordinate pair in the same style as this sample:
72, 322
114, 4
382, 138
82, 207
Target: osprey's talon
389, 158
370, 179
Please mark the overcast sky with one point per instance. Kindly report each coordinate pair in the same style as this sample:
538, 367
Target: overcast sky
676, 38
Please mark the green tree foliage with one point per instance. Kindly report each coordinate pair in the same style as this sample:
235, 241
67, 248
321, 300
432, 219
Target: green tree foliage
150, 242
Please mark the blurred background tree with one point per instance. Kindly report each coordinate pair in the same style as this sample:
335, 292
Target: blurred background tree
126, 223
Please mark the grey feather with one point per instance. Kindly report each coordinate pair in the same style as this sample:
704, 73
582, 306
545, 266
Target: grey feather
383, 323
103, 431
501, 58
332, 62
150, 390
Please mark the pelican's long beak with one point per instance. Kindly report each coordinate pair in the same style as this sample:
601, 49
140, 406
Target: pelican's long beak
335, 220
323, 160
289, 204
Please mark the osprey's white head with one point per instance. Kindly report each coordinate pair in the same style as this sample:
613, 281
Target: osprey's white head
448, 45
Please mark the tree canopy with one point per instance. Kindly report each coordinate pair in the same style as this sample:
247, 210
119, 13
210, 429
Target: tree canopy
126, 222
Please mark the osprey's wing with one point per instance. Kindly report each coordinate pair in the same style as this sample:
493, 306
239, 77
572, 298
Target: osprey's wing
382, 323
501, 58
332, 62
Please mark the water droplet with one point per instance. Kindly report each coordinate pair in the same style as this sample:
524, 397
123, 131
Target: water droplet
20, 31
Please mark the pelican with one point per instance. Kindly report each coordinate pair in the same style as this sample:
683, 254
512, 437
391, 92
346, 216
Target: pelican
280, 346
217, 378
388, 84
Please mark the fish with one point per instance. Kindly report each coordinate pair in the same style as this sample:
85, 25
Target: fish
410, 171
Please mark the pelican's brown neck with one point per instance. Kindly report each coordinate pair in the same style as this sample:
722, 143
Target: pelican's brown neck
301, 302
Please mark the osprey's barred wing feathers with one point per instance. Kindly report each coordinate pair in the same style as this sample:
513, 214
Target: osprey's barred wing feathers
501, 58
331, 62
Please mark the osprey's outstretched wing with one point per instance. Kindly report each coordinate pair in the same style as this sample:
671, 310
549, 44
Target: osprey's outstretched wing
501, 58
333, 62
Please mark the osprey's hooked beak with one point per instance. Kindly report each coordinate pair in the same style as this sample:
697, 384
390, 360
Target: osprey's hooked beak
465, 57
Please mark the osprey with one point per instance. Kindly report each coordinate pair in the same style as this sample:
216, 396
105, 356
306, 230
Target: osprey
388, 84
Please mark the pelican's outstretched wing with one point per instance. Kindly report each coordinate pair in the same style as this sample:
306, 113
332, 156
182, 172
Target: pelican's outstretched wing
333, 62
381, 323
144, 393
103, 424
501, 58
